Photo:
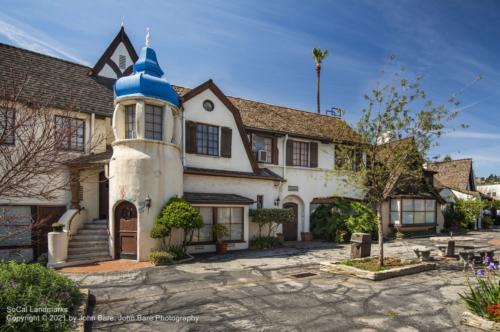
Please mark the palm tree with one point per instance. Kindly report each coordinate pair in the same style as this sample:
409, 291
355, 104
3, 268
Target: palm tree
318, 56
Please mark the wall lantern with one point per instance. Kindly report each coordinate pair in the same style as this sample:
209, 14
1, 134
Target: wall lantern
277, 202
147, 201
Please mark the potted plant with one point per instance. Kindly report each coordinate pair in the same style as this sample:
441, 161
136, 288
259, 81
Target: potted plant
57, 227
221, 232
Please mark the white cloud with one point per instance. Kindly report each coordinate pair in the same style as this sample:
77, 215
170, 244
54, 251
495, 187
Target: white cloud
25, 36
474, 135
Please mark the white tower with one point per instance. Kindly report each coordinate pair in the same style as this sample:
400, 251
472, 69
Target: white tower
145, 170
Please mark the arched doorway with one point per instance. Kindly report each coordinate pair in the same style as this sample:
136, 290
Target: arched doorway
290, 230
126, 230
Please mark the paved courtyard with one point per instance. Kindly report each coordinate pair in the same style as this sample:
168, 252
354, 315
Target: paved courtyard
258, 291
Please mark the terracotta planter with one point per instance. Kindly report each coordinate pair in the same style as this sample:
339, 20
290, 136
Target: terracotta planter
221, 248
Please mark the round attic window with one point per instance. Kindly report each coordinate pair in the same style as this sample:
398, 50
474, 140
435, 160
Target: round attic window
208, 105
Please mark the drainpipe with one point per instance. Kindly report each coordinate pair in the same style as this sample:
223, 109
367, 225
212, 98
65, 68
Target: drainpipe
92, 129
183, 139
284, 156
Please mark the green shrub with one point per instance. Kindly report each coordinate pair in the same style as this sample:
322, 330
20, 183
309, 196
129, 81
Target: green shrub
463, 213
487, 222
220, 231
57, 227
363, 220
160, 257
337, 221
265, 242
178, 213
160, 231
177, 252
271, 218
32, 285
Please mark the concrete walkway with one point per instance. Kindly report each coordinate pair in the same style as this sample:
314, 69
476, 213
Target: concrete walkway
279, 290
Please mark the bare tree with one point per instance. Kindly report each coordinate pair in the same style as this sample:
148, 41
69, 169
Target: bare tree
35, 142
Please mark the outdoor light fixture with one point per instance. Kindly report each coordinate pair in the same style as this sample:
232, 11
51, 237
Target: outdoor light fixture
147, 201
277, 202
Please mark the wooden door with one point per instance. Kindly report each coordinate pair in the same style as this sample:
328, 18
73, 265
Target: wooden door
126, 230
43, 218
290, 230
103, 196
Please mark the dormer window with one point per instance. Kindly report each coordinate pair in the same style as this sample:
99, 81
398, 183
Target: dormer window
154, 122
130, 129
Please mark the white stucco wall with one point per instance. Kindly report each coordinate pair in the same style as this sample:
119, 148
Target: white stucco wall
89, 180
222, 117
492, 190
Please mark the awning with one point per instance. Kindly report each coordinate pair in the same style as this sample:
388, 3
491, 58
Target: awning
212, 198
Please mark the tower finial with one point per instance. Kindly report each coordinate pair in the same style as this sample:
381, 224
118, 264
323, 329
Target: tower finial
123, 21
148, 37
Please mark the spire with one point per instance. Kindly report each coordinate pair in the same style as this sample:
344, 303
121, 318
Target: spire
122, 24
148, 38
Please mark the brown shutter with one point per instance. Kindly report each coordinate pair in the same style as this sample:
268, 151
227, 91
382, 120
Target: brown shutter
313, 154
225, 145
275, 155
289, 153
190, 137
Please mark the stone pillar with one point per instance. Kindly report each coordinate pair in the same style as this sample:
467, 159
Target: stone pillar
75, 188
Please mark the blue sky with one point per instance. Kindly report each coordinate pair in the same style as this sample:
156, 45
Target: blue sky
262, 50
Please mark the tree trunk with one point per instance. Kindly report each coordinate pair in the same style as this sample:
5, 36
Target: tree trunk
318, 71
380, 235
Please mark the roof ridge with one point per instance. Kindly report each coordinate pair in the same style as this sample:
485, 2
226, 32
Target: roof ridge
449, 161
290, 108
44, 55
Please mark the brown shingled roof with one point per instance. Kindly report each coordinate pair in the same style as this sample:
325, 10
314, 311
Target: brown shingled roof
454, 174
60, 83
67, 83
285, 120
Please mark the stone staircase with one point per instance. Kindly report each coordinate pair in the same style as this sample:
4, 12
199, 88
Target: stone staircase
90, 243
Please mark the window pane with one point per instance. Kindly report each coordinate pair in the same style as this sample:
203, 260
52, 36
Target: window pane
262, 143
419, 218
430, 205
224, 215
407, 205
207, 140
430, 217
419, 205
395, 205
300, 154
395, 218
204, 234
236, 232
154, 122
407, 217
72, 131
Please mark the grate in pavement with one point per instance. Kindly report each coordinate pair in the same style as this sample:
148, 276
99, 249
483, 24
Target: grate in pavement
303, 275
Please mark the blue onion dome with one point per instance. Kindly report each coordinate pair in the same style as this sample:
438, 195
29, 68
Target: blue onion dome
146, 79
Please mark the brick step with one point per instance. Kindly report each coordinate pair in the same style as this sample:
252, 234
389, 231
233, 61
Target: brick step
94, 226
104, 254
91, 231
87, 244
76, 261
89, 237
88, 249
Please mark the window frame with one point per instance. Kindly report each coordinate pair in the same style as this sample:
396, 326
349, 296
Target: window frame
206, 139
303, 146
11, 138
69, 138
270, 156
153, 116
216, 221
401, 210
128, 123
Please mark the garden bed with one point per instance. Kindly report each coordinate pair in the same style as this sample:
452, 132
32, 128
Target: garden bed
367, 268
478, 322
